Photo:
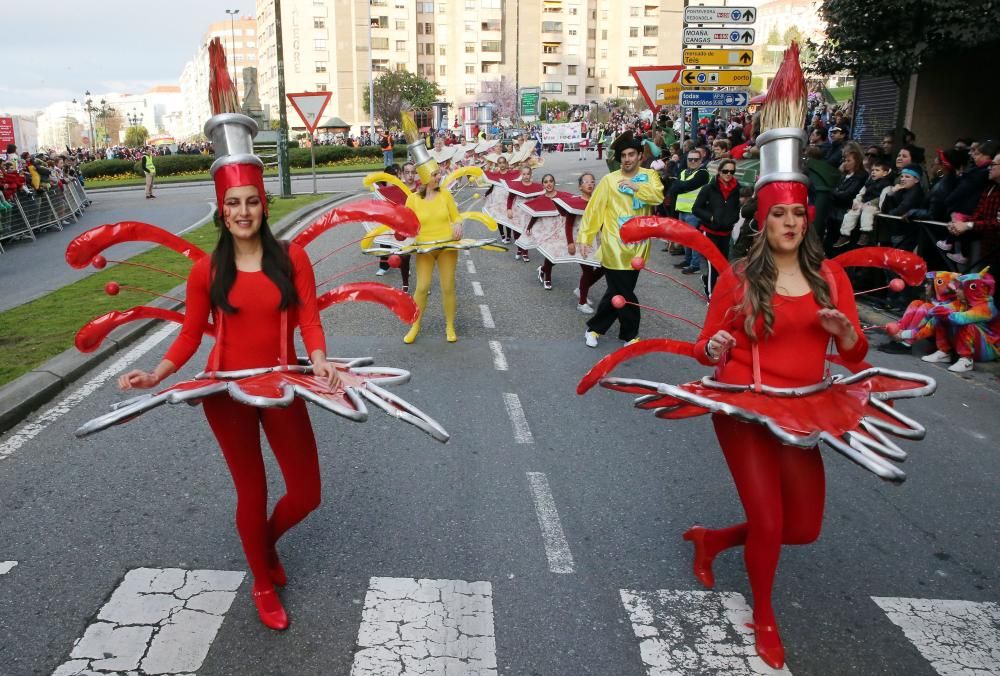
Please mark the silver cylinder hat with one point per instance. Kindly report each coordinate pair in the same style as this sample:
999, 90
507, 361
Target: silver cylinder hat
781, 156
418, 151
232, 137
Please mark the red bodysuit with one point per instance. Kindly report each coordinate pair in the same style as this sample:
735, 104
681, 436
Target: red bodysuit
251, 338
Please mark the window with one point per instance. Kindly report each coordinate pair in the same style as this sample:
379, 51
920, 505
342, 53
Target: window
321, 66
470, 5
591, 52
633, 11
550, 49
487, 67
491, 25
604, 54
470, 89
321, 86
571, 70
425, 7
572, 31
490, 46
400, 25
470, 26
491, 4
380, 43
572, 11
428, 49
604, 34
571, 90
552, 26
633, 32
588, 90
380, 65
552, 87
442, 8
400, 67
649, 50
633, 51
400, 45
380, 22
319, 22
428, 29
470, 69
442, 50
592, 33
604, 74
319, 44
650, 31
650, 10
470, 47
550, 69
441, 70
602, 90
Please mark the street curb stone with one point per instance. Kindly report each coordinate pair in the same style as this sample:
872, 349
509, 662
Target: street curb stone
22, 396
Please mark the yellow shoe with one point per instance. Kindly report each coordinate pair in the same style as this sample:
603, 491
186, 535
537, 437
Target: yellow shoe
450, 335
412, 334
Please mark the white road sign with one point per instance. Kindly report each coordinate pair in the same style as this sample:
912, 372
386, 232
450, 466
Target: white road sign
719, 36
743, 15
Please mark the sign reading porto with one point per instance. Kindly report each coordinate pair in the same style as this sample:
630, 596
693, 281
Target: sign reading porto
718, 57
718, 36
716, 78
691, 99
720, 14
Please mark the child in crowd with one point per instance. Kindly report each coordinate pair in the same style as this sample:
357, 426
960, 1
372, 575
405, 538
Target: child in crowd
866, 205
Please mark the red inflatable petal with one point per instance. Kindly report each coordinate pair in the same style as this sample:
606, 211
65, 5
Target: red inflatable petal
907, 265
613, 360
372, 292
93, 333
402, 220
83, 249
670, 229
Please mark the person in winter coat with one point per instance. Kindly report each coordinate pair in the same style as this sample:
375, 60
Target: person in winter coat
717, 209
899, 200
972, 182
854, 179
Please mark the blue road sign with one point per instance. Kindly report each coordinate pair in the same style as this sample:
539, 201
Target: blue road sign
738, 99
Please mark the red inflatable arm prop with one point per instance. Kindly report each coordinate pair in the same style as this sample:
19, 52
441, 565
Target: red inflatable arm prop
907, 265
400, 303
93, 333
612, 361
645, 227
82, 250
402, 220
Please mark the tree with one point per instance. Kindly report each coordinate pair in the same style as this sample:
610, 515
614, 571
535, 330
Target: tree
895, 38
397, 91
136, 136
503, 95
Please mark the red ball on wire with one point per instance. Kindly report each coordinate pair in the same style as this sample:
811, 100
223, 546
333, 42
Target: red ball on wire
395, 260
618, 302
112, 288
897, 285
99, 262
638, 263
892, 328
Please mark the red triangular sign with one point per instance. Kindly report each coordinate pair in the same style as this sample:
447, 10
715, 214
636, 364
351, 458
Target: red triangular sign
310, 106
648, 77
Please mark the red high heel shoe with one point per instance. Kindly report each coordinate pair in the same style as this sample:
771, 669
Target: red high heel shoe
275, 570
702, 561
272, 613
768, 644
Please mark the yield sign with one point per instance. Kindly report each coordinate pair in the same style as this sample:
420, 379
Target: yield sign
652, 78
309, 106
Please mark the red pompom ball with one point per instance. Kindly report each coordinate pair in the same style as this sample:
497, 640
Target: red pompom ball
99, 262
395, 260
112, 288
892, 328
399, 237
638, 263
897, 285
618, 302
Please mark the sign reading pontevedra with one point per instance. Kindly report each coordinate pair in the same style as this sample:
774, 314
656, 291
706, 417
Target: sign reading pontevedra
714, 99
716, 78
718, 57
718, 36
744, 15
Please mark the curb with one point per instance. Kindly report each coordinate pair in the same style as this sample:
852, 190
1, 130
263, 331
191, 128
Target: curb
207, 181
24, 395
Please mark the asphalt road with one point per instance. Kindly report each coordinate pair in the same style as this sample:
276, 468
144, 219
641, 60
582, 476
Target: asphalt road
618, 487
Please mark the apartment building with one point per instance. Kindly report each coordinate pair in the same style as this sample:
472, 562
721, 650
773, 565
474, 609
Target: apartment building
574, 50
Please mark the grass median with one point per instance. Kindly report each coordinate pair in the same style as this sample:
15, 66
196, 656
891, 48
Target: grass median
33, 333
95, 184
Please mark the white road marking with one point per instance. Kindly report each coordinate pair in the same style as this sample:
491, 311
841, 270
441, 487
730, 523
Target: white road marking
956, 637
477, 289
522, 433
499, 360
411, 627
556, 546
66, 404
470, 265
694, 632
484, 310
7, 566
202, 221
157, 621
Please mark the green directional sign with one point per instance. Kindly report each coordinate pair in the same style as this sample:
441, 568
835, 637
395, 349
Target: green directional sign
528, 102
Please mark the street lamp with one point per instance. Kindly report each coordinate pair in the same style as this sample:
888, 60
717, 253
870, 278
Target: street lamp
232, 29
134, 119
89, 107
371, 78
104, 112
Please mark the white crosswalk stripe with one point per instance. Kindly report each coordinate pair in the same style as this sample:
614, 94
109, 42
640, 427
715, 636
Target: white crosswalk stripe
157, 621
412, 626
7, 566
694, 633
956, 637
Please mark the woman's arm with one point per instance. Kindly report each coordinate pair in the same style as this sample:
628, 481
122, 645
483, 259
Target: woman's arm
310, 325
701, 209
717, 319
851, 341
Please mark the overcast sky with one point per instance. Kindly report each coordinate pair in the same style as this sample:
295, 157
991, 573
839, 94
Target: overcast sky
54, 50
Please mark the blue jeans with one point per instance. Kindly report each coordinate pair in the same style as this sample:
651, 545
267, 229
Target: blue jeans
387, 157
691, 257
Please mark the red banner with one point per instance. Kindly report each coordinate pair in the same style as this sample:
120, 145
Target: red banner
6, 131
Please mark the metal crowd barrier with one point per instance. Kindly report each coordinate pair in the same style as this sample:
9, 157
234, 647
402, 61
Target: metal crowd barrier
53, 208
928, 232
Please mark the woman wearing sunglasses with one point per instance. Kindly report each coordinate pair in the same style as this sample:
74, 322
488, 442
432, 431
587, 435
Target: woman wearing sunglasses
717, 209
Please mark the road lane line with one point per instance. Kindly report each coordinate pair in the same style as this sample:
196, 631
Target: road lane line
205, 219
477, 289
522, 433
956, 637
66, 404
157, 621
499, 360
7, 566
694, 632
412, 626
470, 265
484, 310
556, 546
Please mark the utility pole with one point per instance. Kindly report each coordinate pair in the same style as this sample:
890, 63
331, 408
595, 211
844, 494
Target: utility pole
283, 175
371, 78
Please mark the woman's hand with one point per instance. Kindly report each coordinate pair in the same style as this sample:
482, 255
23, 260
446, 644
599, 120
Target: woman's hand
837, 325
719, 344
510, 214
137, 380
571, 247
327, 372
456, 231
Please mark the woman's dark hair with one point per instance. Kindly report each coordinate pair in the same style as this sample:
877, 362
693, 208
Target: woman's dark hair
579, 181
723, 163
548, 176
276, 264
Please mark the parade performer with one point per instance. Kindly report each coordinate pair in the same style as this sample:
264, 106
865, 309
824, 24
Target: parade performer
495, 202
621, 195
256, 290
545, 223
397, 194
974, 330
770, 410
589, 273
519, 191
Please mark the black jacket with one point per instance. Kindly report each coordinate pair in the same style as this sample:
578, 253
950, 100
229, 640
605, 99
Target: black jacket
848, 189
937, 200
699, 179
969, 187
835, 155
900, 202
716, 212
875, 186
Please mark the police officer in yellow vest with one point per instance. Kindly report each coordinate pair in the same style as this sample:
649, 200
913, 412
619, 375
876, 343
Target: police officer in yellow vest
148, 171
684, 191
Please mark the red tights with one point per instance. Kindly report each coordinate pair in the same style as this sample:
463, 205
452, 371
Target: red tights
782, 489
237, 428
588, 276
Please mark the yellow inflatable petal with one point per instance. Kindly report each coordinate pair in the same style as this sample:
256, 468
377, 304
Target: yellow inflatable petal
382, 177
472, 172
369, 239
485, 219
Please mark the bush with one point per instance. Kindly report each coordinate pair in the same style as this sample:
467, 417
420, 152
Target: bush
170, 165
107, 168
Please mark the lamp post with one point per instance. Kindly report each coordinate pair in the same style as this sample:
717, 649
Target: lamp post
371, 79
232, 30
104, 112
134, 119
89, 107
